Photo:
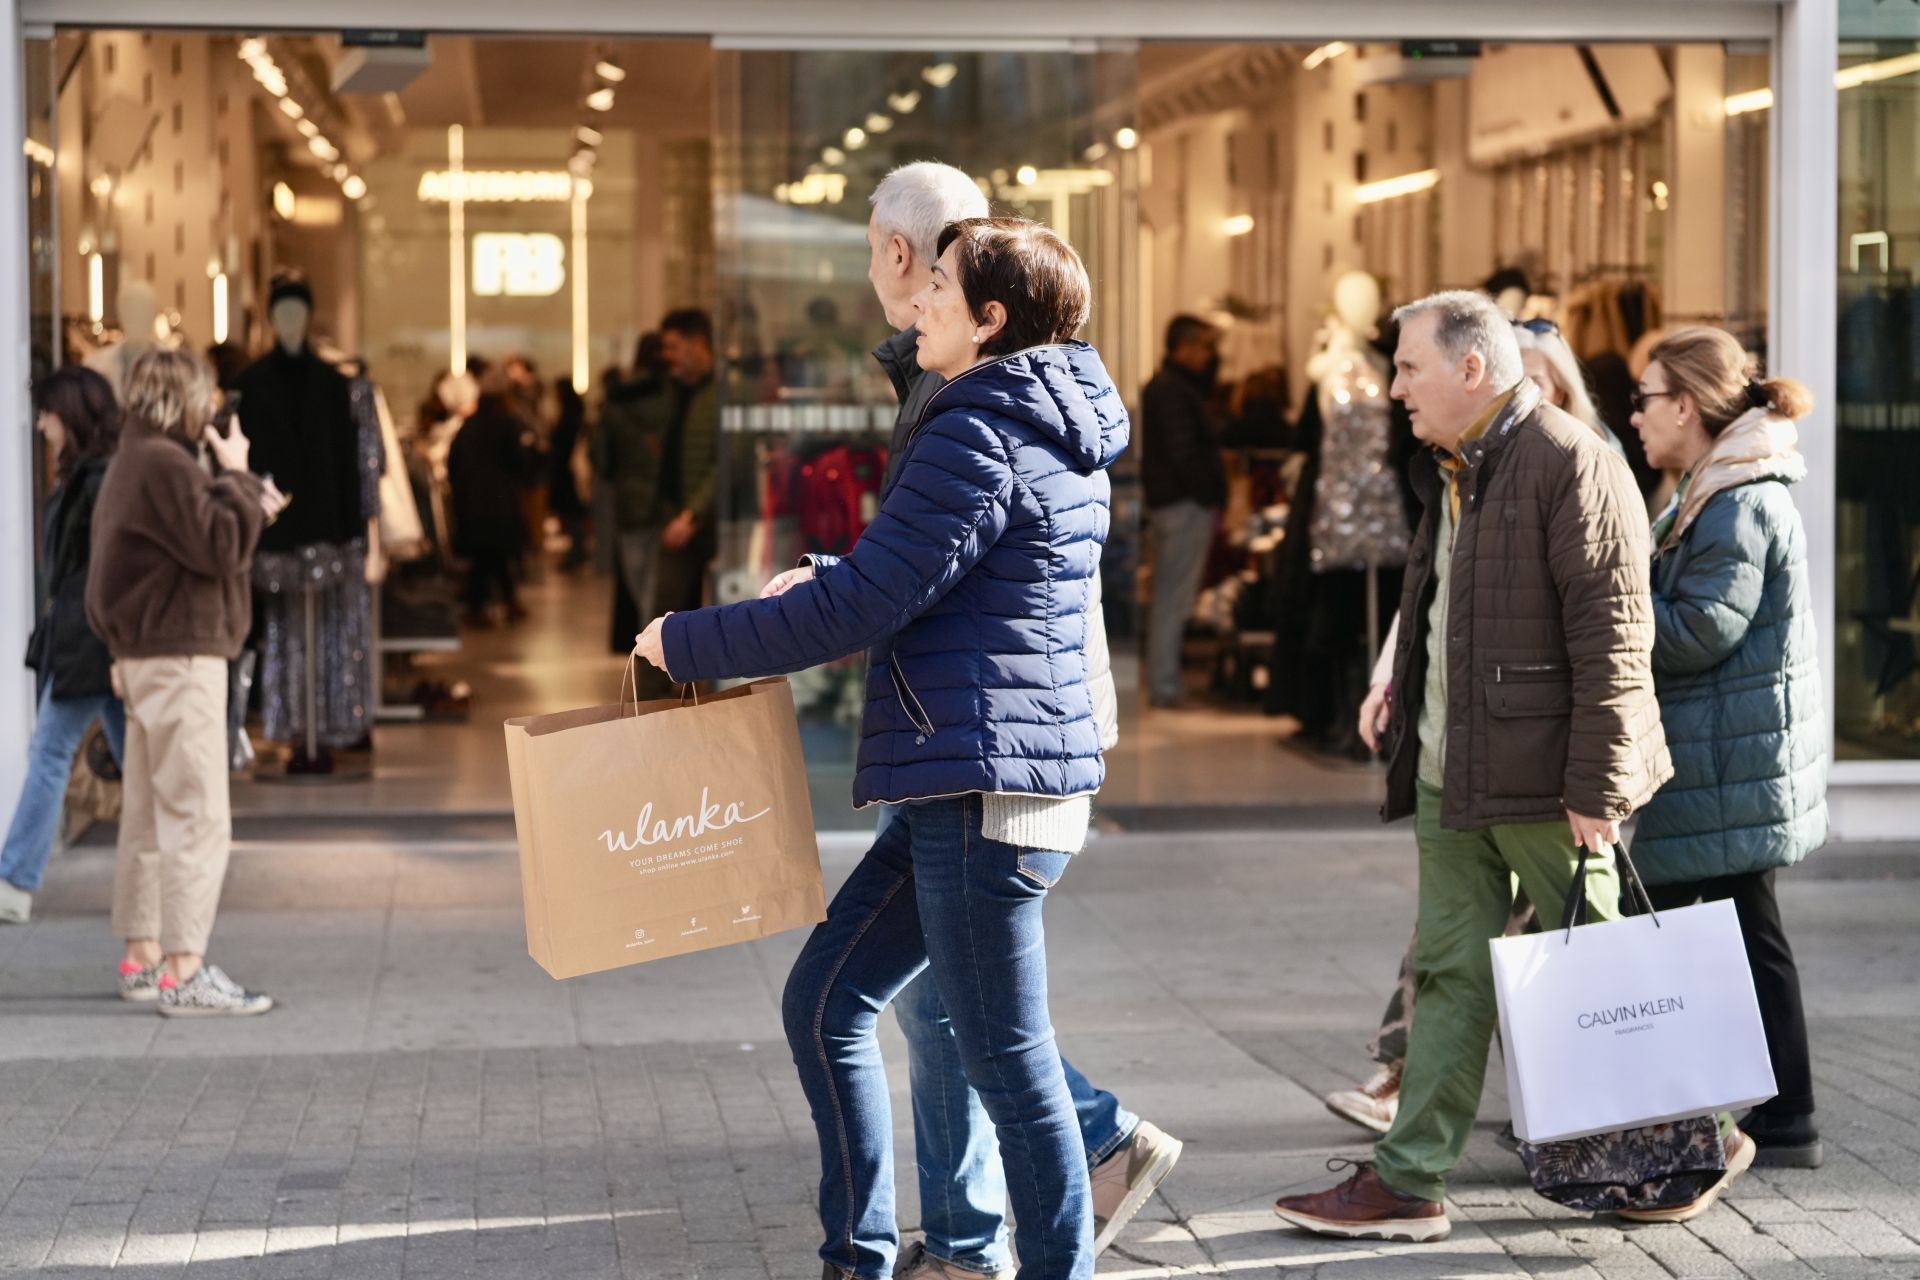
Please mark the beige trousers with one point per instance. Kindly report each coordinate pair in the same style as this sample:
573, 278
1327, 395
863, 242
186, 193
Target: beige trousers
176, 823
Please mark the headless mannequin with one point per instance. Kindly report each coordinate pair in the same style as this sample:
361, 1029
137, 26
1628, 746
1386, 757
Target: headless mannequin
137, 309
290, 318
1359, 525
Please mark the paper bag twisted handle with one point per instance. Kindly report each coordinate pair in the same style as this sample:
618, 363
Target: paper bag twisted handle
631, 678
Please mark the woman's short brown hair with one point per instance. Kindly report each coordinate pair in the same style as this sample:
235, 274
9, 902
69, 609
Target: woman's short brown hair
171, 392
1713, 368
1027, 269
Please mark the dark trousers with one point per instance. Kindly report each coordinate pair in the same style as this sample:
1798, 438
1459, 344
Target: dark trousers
490, 576
1775, 979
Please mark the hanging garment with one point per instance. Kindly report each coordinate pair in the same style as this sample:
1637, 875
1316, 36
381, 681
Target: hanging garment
343, 639
402, 537
1358, 515
372, 455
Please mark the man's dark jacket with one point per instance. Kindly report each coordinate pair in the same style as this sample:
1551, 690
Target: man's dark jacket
1550, 700
1180, 442
899, 356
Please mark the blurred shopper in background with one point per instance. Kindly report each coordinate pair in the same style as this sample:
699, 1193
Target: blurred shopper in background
1185, 484
486, 468
75, 413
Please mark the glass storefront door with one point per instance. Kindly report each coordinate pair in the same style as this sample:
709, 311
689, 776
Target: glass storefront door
803, 137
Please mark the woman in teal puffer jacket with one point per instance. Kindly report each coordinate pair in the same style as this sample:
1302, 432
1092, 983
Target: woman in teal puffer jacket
1736, 666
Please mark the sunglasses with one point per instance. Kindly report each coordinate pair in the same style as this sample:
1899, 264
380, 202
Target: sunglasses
1641, 399
1541, 326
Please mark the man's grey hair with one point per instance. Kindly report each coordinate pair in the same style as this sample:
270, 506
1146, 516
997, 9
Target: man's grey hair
1471, 321
918, 200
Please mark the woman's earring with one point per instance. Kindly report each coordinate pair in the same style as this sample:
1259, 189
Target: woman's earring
976, 337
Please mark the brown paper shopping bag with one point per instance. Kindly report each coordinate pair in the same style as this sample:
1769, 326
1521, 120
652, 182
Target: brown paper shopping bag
656, 829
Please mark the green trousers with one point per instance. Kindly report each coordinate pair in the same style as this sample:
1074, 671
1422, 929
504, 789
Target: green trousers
1466, 891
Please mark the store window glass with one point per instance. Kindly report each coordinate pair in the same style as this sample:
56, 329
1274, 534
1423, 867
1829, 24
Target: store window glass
804, 138
1877, 589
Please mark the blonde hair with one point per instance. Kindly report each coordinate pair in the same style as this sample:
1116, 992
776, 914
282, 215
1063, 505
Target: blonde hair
171, 392
1717, 372
1566, 371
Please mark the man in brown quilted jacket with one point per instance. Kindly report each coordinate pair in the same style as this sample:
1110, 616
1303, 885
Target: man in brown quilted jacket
1523, 721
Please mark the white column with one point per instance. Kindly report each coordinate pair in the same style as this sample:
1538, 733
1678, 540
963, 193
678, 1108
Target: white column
1805, 281
16, 423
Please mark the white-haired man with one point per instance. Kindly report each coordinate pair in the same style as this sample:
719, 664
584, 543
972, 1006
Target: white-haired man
963, 1191
1523, 722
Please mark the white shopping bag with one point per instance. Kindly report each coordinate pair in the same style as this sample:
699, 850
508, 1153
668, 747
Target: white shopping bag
1633, 1022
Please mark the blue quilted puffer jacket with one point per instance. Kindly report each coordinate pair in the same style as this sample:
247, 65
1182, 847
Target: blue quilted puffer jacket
969, 591
1737, 670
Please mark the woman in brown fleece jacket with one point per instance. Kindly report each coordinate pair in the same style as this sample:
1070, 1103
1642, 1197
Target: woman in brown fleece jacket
167, 590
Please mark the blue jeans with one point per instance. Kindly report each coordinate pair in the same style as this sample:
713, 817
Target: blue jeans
963, 1189
57, 733
933, 895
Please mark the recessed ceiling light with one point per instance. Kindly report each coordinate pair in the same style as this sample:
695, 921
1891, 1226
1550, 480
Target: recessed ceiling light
611, 72
601, 99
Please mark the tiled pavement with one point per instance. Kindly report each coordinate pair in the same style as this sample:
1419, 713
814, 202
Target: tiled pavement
429, 1104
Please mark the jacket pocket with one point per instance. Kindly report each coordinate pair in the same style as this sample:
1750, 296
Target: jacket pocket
1528, 723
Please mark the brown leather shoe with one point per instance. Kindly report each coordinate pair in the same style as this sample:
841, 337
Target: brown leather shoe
1365, 1208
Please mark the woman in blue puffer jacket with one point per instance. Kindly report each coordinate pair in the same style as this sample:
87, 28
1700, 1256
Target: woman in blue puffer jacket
1736, 665
970, 594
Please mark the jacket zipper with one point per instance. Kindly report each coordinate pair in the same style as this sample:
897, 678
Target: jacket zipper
910, 704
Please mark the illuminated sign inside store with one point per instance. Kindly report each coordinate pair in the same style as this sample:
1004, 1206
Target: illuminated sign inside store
815, 188
518, 265
509, 186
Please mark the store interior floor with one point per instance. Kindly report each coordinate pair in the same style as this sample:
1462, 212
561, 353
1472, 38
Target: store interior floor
1196, 767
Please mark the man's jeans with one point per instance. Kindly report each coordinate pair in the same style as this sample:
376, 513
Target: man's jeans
58, 730
1182, 535
963, 1189
933, 895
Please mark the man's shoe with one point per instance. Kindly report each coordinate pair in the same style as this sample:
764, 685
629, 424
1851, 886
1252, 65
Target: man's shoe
1740, 1153
1127, 1179
1784, 1142
1373, 1105
16, 904
210, 993
141, 985
1365, 1208
917, 1263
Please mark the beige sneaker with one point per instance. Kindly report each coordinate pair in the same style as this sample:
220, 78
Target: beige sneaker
1373, 1105
1740, 1153
1125, 1180
918, 1264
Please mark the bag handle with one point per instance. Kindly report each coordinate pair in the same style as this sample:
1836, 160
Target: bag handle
1575, 912
630, 678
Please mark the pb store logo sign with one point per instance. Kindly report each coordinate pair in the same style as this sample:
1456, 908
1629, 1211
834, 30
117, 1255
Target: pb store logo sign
514, 264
